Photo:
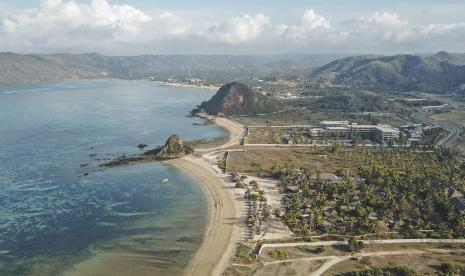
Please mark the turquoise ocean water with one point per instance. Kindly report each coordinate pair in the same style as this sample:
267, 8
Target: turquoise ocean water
60, 213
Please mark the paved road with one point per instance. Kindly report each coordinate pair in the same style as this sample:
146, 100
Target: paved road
452, 135
454, 131
328, 243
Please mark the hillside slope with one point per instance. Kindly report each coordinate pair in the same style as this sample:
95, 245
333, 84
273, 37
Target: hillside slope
15, 68
400, 72
238, 99
453, 58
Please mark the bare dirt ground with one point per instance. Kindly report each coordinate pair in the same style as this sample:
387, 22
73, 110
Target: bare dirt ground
423, 257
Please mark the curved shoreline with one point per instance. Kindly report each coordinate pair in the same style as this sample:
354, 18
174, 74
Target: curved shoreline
219, 237
223, 230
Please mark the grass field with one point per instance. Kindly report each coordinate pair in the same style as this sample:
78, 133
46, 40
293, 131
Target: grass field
266, 135
459, 145
275, 135
262, 160
307, 117
457, 117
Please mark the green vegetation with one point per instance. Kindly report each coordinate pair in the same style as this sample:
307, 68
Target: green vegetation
386, 271
244, 254
175, 149
313, 250
238, 99
278, 254
449, 269
356, 101
265, 161
455, 116
430, 138
354, 245
307, 116
266, 135
258, 209
392, 73
399, 192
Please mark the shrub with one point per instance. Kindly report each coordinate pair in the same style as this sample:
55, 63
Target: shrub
317, 250
354, 245
404, 271
449, 269
278, 254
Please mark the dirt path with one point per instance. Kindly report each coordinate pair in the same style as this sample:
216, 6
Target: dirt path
333, 260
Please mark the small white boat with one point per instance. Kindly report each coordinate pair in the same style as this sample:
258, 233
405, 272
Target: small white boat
165, 180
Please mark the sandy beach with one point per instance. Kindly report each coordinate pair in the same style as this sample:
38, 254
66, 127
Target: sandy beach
176, 84
223, 230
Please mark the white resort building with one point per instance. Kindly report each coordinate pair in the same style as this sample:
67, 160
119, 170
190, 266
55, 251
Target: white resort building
344, 129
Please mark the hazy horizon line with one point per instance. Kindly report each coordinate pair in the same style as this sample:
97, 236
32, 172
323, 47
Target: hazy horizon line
237, 55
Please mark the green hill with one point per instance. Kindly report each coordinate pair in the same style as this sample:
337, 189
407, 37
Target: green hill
238, 99
399, 72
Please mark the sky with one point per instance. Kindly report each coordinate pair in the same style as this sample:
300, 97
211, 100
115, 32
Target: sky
135, 27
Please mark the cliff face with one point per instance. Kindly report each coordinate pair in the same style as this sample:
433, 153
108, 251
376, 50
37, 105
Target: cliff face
238, 99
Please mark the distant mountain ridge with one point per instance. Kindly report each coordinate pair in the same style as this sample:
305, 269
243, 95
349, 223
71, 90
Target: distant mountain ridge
399, 72
436, 73
453, 58
16, 68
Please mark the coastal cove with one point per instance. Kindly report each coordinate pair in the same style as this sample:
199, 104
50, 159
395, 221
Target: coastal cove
63, 214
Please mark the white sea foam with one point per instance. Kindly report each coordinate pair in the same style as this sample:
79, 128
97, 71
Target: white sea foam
24, 91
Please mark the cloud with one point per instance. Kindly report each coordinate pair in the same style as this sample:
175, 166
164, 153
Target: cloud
98, 26
70, 23
239, 29
311, 23
383, 26
390, 32
167, 23
379, 32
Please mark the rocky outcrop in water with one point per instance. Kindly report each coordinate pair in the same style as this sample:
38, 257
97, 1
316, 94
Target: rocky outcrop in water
174, 148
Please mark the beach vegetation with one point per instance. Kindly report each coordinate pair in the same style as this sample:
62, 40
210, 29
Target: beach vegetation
353, 245
397, 192
245, 254
450, 269
310, 249
279, 254
385, 271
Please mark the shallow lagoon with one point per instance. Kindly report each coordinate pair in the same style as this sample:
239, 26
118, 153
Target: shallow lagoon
60, 212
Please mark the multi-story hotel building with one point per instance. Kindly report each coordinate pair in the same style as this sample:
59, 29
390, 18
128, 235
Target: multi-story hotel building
343, 129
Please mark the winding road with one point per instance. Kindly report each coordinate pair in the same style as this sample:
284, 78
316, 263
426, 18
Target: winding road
452, 135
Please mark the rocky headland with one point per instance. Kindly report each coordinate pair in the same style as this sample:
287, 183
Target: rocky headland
174, 148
